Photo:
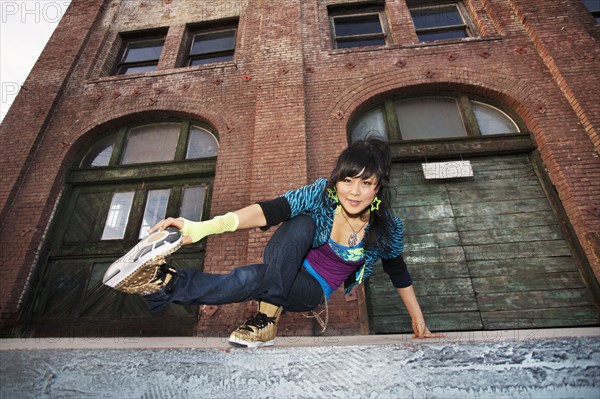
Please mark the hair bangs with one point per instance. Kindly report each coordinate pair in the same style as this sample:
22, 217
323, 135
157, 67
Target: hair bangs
357, 164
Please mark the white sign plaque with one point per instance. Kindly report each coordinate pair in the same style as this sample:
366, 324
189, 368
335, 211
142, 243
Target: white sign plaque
447, 170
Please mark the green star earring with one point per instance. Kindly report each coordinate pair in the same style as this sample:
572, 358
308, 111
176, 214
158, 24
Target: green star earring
375, 204
332, 194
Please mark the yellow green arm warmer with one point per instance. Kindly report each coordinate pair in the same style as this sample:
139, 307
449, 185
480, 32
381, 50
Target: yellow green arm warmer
217, 225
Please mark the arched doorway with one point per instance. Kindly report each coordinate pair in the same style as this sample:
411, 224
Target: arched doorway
487, 251
127, 180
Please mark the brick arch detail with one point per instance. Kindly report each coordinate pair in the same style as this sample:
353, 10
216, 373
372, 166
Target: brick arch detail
110, 118
525, 100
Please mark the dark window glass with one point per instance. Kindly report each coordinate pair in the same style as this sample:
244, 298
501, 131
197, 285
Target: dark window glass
143, 51
129, 70
358, 30
435, 17
211, 42
594, 7
441, 35
140, 56
360, 43
363, 25
439, 22
211, 47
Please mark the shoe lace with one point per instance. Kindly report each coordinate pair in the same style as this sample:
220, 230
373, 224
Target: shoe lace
260, 320
161, 272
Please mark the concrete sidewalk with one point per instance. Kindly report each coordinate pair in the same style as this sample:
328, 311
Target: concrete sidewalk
493, 364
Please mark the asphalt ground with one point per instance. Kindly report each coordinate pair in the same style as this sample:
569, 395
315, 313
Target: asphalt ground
563, 363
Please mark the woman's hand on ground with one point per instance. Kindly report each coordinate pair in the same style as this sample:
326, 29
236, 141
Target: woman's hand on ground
421, 331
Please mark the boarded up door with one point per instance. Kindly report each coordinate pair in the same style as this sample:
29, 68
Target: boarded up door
485, 253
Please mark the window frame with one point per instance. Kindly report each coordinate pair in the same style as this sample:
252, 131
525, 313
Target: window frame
474, 143
467, 24
193, 30
212, 54
121, 139
138, 37
357, 12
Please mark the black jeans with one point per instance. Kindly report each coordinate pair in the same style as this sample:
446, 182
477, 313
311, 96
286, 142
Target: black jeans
280, 280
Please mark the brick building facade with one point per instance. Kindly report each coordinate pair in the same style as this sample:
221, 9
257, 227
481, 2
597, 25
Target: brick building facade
282, 107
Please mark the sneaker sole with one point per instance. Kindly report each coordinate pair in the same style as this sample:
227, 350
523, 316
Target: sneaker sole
252, 345
155, 248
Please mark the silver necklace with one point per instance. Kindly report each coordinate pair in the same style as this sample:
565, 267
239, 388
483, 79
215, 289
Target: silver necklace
353, 239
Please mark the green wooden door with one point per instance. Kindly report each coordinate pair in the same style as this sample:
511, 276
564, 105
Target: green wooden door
485, 253
97, 224
131, 177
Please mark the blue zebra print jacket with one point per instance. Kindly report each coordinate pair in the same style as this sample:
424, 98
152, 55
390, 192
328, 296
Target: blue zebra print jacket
309, 200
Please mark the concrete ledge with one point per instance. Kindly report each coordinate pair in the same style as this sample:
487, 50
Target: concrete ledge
291, 341
544, 364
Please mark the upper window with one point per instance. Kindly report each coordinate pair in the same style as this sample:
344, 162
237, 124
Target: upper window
594, 7
432, 117
157, 142
215, 43
140, 54
440, 21
358, 27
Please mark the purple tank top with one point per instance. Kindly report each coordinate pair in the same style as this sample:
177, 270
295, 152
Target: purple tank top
335, 262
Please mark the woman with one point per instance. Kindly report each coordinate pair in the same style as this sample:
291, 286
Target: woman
333, 233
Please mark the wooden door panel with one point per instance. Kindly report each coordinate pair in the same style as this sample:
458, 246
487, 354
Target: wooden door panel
485, 253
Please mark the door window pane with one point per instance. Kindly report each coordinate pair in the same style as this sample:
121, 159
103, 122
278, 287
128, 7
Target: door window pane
202, 144
371, 124
429, 118
156, 209
118, 216
151, 143
492, 120
192, 204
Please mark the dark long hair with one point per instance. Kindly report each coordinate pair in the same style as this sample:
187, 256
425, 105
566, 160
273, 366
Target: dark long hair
372, 157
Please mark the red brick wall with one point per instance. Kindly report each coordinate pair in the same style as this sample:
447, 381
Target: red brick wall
282, 109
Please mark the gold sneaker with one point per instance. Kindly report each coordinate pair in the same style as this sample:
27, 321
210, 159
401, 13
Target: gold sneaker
259, 330
139, 270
